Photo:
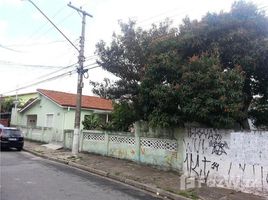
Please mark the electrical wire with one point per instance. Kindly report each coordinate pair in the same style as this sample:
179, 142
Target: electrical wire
42, 81
27, 65
35, 44
158, 15
71, 72
262, 8
7, 48
170, 17
45, 24
58, 23
54, 72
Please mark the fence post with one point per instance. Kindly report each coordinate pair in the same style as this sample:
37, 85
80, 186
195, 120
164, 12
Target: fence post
31, 133
81, 140
137, 127
180, 148
106, 140
64, 139
42, 134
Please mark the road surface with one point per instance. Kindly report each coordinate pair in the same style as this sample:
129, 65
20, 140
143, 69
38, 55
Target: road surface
27, 177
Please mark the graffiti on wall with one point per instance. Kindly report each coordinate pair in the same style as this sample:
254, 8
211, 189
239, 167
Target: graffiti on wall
198, 138
200, 166
220, 158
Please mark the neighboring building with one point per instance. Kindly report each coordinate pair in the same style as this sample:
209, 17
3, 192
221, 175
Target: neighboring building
23, 98
56, 110
20, 99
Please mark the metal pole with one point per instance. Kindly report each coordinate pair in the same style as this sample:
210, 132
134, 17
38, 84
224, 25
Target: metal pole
81, 71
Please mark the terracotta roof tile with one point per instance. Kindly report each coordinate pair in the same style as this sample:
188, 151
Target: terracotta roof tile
68, 99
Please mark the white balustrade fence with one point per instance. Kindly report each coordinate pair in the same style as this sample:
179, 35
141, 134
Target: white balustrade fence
155, 151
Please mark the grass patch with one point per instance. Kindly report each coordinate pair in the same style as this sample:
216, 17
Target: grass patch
189, 194
74, 158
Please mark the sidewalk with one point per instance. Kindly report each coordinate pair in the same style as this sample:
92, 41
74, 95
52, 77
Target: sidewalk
163, 183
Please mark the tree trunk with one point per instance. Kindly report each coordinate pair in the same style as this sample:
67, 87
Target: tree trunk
244, 123
247, 101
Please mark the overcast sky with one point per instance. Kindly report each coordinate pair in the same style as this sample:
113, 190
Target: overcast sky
30, 48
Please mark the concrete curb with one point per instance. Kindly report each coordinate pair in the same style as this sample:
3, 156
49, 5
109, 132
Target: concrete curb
159, 192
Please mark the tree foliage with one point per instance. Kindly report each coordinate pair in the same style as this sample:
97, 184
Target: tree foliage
207, 71
127, 57
240, 37
208, 94
259, 113
122, 117
7, 104
101, 89
92, 122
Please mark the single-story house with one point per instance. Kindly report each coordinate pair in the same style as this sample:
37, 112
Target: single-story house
21, 99
56, 110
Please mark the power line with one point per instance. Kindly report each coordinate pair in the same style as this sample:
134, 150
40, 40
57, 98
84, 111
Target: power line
39, 82
170, 17
35, 44
27, 65
63, 68
262, 8
53, 24
51, 79
155, 16
10, 49
54, 72
50, 28
44, 25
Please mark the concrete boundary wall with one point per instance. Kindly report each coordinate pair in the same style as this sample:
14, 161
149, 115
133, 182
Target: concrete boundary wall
222, 158
42, 134
153, 151
225, 158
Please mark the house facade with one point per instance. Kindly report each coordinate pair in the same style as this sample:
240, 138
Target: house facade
55, 111
21, 99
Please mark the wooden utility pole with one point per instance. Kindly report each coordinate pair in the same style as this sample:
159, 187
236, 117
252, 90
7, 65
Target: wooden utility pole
80, 71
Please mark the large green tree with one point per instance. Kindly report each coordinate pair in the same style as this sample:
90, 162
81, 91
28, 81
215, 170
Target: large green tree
209, 95
127, 57
208, 71
196, 91
241, 38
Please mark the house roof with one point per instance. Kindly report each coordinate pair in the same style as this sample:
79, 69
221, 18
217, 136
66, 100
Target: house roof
22, 94
69, 100
29, 103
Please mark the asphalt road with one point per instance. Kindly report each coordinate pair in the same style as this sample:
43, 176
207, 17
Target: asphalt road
27, 177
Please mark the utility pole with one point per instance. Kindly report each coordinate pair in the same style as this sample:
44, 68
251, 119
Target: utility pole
1, 99
80, 71
16, 102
